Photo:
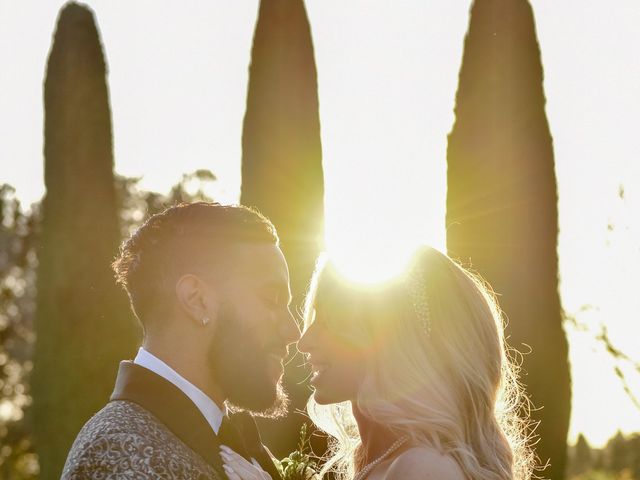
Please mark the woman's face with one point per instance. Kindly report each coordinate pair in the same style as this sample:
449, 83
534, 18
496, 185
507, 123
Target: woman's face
336, 355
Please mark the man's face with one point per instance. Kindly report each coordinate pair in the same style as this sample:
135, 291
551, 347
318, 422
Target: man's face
254, 329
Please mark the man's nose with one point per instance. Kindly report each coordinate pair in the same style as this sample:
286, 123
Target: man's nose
289, 330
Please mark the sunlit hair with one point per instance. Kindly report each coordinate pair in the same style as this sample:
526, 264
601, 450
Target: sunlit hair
179, 240
455, 389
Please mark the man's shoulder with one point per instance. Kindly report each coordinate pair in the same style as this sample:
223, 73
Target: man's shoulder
124, 438
424, 463
119, 416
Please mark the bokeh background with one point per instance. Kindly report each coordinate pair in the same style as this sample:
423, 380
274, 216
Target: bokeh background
501, 131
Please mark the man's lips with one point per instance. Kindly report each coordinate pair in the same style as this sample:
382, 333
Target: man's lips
276, 356
275, 361
279, 353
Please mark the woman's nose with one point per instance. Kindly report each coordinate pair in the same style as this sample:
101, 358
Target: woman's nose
305, 344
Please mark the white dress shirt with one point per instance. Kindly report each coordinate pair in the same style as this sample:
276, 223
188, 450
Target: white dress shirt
207, 407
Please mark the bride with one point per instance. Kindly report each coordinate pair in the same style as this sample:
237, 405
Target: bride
412, 379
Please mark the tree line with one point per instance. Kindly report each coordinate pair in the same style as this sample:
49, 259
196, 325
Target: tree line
619, 459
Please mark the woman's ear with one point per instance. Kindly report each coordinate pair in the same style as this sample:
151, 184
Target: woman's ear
196, 299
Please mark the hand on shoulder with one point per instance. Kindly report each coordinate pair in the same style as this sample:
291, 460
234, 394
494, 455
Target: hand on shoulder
423, 463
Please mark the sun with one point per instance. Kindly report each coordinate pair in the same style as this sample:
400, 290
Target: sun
365, 253
367, 265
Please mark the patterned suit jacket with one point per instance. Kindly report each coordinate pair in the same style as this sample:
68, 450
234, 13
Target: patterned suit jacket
150, 429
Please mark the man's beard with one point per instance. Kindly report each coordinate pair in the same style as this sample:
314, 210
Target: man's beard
240, 367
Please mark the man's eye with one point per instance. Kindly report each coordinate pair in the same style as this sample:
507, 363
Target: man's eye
270, 300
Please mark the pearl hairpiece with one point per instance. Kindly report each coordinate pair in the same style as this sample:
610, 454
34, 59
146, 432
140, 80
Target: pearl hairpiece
416, 286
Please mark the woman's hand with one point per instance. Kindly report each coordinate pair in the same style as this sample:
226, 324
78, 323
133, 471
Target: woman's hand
238, 468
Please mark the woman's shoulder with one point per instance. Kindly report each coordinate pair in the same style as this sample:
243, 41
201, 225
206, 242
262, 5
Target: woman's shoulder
424, 463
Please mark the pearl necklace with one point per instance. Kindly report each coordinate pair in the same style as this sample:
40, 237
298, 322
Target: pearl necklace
366, 470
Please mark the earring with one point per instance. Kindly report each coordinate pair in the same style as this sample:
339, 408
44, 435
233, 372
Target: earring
205, 320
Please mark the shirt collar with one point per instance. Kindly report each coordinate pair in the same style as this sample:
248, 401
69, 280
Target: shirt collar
209, 409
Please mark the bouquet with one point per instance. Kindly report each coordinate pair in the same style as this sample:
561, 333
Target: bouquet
300, 464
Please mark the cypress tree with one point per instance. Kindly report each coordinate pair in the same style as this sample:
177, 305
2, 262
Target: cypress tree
502, 216
83, 324
618, 451
583, 455
281, 152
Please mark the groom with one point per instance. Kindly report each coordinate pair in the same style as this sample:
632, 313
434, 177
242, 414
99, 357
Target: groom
210, 286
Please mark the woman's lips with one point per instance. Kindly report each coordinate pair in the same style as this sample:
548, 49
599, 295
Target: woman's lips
318, 369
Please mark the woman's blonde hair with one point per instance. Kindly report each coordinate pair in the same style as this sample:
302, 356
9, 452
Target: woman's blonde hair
452, 387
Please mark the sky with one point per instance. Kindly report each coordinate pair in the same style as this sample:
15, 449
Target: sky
178, 77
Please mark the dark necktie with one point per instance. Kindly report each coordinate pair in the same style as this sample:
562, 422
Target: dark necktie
231, 436
238, 431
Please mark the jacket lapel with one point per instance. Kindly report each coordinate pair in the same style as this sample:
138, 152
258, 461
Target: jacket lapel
172, 407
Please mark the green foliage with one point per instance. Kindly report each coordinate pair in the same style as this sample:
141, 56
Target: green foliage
300, 464
19, 229
624, 363
135, 204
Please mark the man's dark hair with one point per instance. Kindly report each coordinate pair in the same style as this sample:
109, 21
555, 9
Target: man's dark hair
182, 239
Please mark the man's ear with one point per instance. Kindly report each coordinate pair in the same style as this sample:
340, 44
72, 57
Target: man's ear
196, 299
